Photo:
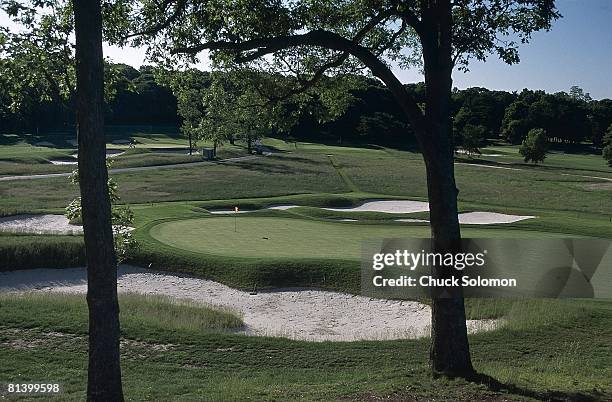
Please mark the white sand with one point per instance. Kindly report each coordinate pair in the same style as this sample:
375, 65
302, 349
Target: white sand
39, 224
480, 218
489, 218
63, 162
229, 211
297, 314
283, 207
464, 152
406, 207
388, 206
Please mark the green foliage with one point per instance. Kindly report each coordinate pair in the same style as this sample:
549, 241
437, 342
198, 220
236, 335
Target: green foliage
607, 154
607, 142
121, 217
565, 117
535, 146
472, 138
601, 118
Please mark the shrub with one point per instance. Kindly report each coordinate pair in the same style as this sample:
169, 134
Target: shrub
607, 143
515, 132
472, 138
535, 146
607, 154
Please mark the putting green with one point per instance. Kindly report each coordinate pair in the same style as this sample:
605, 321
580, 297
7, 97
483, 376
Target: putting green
293, 238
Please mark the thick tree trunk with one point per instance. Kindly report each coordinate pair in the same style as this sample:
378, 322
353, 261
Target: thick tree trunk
449, 352
104, 375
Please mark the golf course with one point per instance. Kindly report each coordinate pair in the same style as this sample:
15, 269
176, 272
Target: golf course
269, 200
303, 212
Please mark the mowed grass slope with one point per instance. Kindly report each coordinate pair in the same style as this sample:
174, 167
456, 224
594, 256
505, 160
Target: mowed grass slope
164, 357
308, 169
26, 155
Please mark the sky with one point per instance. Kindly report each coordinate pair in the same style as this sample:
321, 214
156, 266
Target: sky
576, 51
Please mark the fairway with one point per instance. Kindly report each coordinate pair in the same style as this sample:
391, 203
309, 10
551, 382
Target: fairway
293, 238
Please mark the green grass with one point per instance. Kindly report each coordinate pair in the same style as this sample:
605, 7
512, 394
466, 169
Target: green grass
308, 170
573, 162
19, 157
43, 338
35, 251
270, 237
146, 315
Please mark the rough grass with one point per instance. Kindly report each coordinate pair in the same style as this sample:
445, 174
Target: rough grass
138, 313
308, 169
567, 357
38, 251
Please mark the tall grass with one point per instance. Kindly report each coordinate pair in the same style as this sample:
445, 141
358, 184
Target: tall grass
32, 251
146, 316
173, 314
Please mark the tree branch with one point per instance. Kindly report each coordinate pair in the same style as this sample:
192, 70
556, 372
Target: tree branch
329, 40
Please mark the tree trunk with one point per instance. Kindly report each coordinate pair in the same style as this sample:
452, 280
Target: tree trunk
449, 352
104, 371
190, 146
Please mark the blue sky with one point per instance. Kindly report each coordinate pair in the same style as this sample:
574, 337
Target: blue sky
577, 51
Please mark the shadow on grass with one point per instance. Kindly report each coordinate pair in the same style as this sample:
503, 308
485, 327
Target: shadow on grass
495, 385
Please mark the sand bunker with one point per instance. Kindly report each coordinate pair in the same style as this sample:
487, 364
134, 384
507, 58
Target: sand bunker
480, 218
464, 152
228, 211
39, 224
297, 314
388, 207
110, 153
64, 162
489, 218
405, 207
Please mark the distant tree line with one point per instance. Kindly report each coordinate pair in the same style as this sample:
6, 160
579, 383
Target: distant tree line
147, 96
135, 98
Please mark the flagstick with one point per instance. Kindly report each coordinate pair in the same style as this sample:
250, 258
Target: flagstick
235, 219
